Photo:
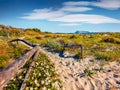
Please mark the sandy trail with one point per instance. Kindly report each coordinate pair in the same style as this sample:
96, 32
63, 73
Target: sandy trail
73, 78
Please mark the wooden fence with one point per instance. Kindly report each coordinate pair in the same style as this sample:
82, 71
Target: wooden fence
8, 72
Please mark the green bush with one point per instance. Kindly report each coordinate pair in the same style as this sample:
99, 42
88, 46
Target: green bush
55, 46
3, 33
88, 72
108, 56
16, 33
38, 37
17, 52
73, 36
3, 61
111, 39
33, 29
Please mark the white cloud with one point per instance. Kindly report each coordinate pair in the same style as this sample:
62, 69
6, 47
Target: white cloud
48, 13
84, 18
70, 24
43, 14
75, 9
106, 4
65, 13
73, 3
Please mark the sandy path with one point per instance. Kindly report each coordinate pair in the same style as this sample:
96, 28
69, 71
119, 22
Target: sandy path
71, 73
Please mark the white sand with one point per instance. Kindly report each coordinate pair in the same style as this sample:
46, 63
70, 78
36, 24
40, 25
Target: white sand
70, 71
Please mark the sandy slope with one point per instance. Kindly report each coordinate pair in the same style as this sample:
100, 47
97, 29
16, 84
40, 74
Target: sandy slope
73, 77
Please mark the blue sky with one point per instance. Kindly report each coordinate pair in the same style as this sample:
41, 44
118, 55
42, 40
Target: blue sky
62, 15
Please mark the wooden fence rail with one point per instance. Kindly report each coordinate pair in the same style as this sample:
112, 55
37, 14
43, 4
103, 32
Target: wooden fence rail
8, 72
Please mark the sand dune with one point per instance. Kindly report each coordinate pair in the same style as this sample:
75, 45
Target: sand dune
72, 73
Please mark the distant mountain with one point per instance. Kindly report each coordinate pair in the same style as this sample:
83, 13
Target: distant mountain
82, 32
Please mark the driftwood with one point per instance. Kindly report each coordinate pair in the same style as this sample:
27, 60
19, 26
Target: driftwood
8, 72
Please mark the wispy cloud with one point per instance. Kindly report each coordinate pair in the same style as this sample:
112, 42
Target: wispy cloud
76, 3
66, 13
106, 4
45, 13
75, 9
70, 24
84, 18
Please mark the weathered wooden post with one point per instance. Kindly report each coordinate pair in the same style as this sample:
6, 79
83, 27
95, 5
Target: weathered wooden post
17, 42
81, 51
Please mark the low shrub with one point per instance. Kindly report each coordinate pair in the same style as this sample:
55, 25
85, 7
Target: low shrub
33, 29
61, 42
73, 36
88, 72
3, 61
3, 33
18, 52
47, 36
111, 39
79, 55
55, 46
108, 56
38, 37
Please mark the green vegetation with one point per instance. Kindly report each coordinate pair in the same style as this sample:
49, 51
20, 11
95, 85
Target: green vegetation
103, 46
43, 75
10, 31
18, 52
3, 33
33, 29
88, 72
9, 52
111, 39
3, 60
109, 56
54, 46
16, 82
